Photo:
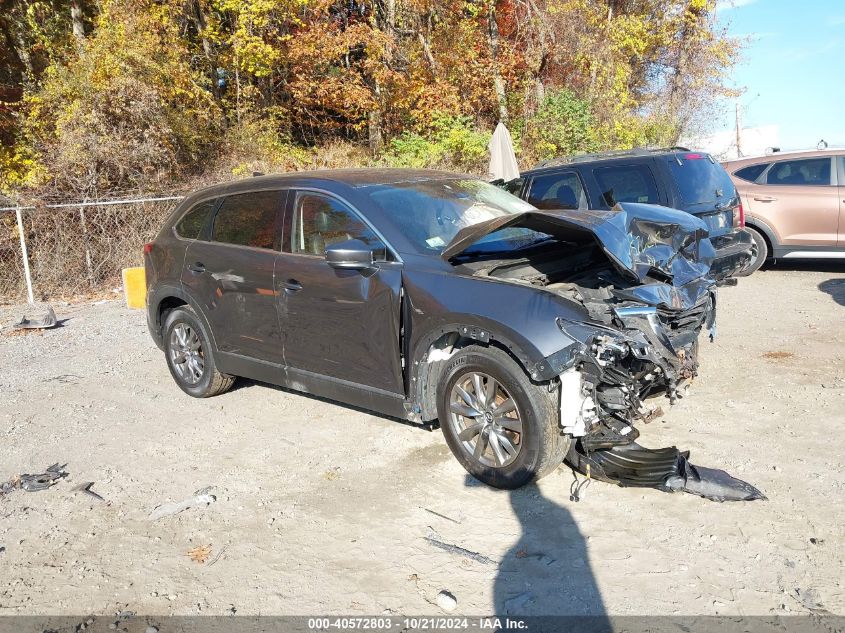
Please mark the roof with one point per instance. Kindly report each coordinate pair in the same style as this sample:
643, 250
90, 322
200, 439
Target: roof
351, 177
798, 153
610, 155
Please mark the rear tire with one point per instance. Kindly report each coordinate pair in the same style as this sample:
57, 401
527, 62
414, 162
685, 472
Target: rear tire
762, 253
187, 348
484, 397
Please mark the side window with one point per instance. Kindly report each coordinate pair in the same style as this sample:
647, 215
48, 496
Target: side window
626, 183
752, 172
809, 171
557, 191
248, 219
513, 186
194, 221
320, 221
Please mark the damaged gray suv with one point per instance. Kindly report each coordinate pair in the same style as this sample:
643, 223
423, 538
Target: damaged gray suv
531, 337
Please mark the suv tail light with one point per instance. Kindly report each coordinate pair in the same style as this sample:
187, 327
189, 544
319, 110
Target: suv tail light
148, 248
739, 216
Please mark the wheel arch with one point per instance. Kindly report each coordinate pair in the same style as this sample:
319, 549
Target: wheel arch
433, 351
766, 231
167, 298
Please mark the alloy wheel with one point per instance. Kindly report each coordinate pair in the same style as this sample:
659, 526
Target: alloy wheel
485, 419
186, 353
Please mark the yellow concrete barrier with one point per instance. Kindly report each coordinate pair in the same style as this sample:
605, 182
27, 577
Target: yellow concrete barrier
135, 287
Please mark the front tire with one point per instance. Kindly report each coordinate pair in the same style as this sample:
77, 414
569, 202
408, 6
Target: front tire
187, 348
502, 428
762, 253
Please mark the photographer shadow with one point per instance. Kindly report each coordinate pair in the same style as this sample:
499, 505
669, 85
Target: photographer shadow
546, 574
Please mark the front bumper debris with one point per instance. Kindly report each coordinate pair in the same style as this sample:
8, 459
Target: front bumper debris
666, 469
605, 395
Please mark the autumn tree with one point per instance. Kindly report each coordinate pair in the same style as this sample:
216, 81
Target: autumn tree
125, 111
115, 94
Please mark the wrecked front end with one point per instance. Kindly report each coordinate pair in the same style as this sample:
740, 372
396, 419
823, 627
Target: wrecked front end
614, 384
642, 274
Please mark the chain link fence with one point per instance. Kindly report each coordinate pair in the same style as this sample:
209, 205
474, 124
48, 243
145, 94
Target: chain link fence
12, 278
75, 249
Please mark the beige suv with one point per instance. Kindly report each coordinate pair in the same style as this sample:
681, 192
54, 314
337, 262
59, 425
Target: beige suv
794, 204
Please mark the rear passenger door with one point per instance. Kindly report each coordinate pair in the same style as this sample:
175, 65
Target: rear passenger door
559, 190
800, 198
230, 274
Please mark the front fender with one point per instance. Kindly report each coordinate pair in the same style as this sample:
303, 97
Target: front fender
519, 317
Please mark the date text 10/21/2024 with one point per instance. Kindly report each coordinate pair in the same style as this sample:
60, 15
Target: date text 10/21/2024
382, 623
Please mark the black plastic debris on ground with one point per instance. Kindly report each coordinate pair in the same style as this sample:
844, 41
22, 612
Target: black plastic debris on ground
666, 469
42, 481
45, 322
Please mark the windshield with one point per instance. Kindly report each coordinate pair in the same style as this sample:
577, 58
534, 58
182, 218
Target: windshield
431, 212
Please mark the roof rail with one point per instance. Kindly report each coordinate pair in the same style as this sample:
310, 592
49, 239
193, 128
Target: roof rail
582, 158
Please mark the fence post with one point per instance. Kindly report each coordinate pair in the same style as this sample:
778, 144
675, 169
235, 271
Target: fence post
25, 256
89, 264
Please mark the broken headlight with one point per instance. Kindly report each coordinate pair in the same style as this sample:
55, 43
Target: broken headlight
609, 349
607, 344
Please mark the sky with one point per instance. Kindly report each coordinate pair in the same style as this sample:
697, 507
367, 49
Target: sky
792, 69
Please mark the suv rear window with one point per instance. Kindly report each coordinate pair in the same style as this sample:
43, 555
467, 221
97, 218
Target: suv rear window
700, 180
626, 183
752, 172
248, 219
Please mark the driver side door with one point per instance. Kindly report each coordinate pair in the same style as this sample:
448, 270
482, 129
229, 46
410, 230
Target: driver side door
340, 325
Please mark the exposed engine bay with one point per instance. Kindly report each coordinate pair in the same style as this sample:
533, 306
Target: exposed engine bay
641, 274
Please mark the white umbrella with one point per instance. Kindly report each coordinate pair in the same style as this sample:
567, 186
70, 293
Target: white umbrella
502, 157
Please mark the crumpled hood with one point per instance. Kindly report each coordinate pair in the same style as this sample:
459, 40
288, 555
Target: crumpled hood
638, 239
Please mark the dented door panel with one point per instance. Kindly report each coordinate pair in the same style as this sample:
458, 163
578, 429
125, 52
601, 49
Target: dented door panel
343, 324
234, 286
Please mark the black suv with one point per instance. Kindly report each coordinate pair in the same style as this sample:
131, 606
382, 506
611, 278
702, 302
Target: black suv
530, 336
676, 177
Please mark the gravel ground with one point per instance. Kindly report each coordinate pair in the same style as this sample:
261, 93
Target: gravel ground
325, 509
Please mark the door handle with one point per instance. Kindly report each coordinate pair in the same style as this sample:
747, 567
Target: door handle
196, 268
765, 199
291, 286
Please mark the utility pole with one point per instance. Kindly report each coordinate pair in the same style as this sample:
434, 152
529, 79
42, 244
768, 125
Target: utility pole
738, 130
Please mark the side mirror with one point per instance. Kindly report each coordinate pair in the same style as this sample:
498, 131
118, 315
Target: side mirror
354, 255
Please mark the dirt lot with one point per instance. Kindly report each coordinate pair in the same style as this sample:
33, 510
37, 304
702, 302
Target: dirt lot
324, 509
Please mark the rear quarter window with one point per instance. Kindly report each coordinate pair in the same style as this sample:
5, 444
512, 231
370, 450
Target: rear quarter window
751, 173
626, 183
195, 220
700, 179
